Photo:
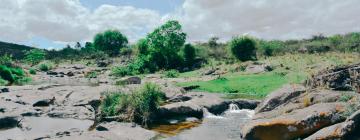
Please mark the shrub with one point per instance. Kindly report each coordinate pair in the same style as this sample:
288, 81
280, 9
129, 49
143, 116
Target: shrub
270, 48
3, 82
110, 41
5, 73
23, 80
120, 71
171, 74
243, 48
34, 56
32, 71
140, 106
6, 60
91, 74
46, 66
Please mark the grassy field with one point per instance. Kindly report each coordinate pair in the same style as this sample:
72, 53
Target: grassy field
289, 69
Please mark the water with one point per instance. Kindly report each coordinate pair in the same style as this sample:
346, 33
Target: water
37, 127
226, 126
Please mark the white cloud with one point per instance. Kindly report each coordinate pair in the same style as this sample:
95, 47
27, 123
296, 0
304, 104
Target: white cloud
270, 19
69, 20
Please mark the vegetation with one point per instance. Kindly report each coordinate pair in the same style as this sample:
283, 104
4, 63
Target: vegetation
46, 66
171, 74
10, 75
32, 71
35, 56
243, 48
140, 106
189, 55
110, 42
6, 60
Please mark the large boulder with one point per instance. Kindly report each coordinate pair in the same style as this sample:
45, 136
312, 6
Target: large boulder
9, 122
279, 97
296, 124
350, 129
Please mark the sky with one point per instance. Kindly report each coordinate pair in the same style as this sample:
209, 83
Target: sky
52, 24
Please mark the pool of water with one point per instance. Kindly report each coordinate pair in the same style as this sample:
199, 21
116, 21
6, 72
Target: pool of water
38, 127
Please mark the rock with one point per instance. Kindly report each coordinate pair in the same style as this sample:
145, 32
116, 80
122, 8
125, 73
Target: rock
3, 90
70, 74
9, 122
192, 87
296, 124
350, 129
103, 63
101, 128
131, 80
256, 68
51, 73
338, 78
210, 72
279, 97
179, 98
44, 102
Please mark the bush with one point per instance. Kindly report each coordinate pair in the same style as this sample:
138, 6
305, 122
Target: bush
140, 106
91, 74
23, 80
171, 74
5, 73
120, 71
46, 66
270, 48
35, 56
32, 71
3, 82
110, 42
243, 48
6, 60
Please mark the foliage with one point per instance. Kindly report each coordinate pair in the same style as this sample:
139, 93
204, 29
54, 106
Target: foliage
35, 56
3, 82
13, 75
45, 66
243, 48
140, 106
32, 71
189, 55
110, 41
91, 74
6, 60
171, 74
120, 71
270, 48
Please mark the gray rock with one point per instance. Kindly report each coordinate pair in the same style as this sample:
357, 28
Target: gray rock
3, 90
279, 97
44, 102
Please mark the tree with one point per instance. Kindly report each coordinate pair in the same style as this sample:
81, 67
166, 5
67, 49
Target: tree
243, 48
161, 47
110, 41
35, 56
189, 55
213, 42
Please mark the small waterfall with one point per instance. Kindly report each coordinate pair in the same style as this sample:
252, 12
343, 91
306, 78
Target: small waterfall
233, 108
207, 114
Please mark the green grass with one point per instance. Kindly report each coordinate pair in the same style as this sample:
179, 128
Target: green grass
258, 85
289, 68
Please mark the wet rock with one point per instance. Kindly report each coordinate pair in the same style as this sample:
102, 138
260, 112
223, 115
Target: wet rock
44, 102
350, 129
297, 124
70, 74
179, 98
9, 122
279, 97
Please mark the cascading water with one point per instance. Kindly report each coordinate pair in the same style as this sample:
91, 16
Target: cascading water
233, 108
207, 114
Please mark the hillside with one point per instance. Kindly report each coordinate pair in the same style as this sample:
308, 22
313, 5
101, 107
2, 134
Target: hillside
16, 50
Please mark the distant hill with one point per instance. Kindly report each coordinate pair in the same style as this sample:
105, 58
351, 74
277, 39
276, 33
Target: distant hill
16, 50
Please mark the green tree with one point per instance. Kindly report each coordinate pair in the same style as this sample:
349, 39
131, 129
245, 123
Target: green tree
243, 48
189, 55
35, 56
110, 41
164, 44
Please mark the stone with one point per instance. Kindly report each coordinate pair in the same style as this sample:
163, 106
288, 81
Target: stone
280, 96
3, 90
296, 124
44, 102
9, 122
132, 80
350, 129
192, 87
52, 73
70, 74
